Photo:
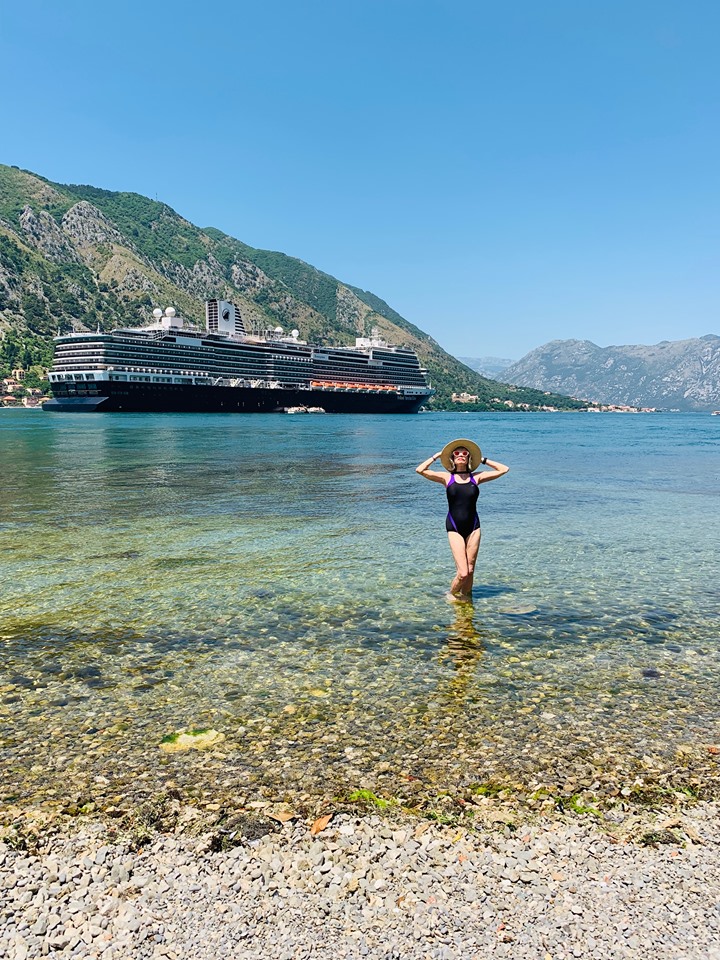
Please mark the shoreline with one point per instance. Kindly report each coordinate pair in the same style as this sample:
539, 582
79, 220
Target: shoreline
649, 815
204, 770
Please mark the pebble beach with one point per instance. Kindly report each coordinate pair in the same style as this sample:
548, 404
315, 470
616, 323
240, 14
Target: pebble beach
370, 886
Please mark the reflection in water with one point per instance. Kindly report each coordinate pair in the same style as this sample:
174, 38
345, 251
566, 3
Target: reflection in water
464, 649
465, 641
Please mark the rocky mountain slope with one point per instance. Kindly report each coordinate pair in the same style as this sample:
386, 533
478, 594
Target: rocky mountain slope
671, 375
80, 257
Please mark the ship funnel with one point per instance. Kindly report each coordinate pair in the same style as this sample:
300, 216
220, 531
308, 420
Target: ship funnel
221, 316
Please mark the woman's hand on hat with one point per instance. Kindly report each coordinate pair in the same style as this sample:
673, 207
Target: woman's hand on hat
426, 464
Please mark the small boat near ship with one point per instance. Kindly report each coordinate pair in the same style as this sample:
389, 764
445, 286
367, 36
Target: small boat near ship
173, 366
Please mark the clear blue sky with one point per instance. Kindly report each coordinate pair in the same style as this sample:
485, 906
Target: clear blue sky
502, 174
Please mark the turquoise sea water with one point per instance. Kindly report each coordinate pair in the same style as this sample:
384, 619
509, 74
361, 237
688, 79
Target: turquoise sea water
282, 580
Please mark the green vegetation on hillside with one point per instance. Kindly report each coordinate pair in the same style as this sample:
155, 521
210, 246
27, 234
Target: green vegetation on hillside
54, 297
20, 189
153, 228
24, 350
308, 284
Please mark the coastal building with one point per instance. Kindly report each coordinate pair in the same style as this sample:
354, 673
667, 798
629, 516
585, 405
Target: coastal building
620, 408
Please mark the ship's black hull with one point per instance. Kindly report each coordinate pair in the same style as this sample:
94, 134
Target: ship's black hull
125, 397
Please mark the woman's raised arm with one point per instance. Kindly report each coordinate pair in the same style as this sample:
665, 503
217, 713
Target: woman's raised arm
496, 470
424, 471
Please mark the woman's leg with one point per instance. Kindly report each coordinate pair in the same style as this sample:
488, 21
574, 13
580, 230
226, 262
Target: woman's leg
471, 551
457, 545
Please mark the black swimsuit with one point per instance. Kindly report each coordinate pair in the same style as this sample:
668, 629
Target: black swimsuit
462, 499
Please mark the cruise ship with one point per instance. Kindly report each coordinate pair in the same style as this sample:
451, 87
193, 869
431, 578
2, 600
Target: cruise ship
173, 366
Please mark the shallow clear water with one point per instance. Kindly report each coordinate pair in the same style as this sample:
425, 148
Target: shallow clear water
282, 579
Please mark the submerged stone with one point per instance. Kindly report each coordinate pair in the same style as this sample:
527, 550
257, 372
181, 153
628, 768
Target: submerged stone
519, 609
191, 740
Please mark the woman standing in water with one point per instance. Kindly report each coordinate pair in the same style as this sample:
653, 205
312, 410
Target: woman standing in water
460, 459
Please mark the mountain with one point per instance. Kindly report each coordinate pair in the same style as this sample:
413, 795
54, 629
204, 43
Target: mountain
671, 375
487, 366
79, 257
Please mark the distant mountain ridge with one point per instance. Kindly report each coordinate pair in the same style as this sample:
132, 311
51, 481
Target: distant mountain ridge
670, 375
491, 367
77, 256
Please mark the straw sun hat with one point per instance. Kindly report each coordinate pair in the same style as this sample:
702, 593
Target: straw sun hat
473, 449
